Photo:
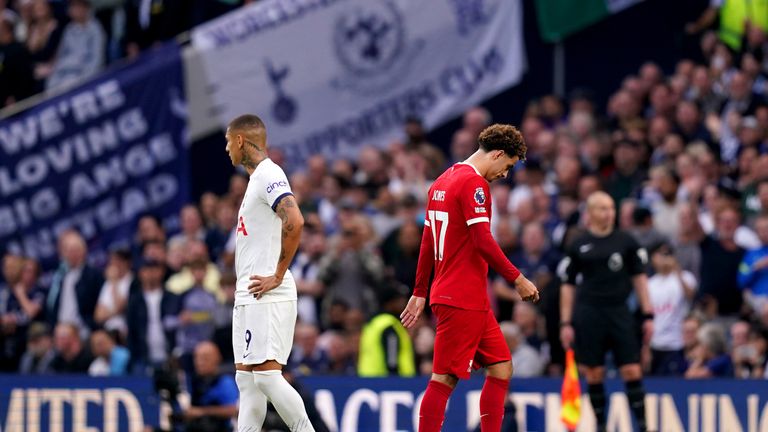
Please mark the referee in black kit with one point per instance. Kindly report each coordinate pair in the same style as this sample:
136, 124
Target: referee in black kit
605, 263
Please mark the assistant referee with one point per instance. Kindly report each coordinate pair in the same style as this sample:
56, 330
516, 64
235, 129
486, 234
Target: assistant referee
605, 264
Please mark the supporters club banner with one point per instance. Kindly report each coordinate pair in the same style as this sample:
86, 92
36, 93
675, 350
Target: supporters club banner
95, 159
328, 76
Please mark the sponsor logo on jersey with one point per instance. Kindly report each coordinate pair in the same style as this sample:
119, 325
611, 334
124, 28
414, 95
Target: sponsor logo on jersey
275, 185
480, 210
586, 248
479, 196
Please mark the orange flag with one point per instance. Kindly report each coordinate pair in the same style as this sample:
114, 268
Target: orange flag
570, 394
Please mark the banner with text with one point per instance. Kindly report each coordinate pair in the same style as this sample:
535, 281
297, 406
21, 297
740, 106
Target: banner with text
95, 159
328, 76
673, 405
77, 404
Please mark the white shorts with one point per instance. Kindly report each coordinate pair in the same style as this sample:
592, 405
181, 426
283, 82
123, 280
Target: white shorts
263, 331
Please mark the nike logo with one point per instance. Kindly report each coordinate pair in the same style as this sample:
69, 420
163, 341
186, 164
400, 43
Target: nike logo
586, 248
246, 355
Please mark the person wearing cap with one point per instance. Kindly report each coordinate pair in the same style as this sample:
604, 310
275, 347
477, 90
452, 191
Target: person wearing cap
152, 315
671, 290
385, 346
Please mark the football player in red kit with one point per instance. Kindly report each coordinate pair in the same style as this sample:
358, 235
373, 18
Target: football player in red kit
458, 245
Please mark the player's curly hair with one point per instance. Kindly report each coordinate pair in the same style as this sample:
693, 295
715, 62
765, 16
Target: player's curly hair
503, 137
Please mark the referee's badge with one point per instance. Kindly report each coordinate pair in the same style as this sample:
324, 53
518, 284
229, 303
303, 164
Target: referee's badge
615, 262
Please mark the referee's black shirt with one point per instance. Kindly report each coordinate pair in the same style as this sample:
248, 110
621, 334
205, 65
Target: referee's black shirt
602, 267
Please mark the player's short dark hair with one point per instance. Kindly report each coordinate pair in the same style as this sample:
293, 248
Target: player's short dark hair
247, 122
503, 137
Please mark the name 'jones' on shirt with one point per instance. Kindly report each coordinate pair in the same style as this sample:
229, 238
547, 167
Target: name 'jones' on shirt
438, 195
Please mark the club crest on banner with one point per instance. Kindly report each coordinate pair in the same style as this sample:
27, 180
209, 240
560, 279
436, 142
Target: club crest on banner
371, 44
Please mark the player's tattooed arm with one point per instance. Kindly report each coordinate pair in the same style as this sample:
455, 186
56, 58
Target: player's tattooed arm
292, 223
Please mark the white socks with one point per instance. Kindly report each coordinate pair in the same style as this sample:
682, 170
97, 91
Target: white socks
253, 403
284, 398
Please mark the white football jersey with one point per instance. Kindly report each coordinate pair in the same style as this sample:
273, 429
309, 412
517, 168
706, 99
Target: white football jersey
259, 234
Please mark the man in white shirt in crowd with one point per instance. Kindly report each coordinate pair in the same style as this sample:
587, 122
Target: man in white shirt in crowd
671, 290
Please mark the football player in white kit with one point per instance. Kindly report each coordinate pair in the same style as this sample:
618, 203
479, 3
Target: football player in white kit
268, 231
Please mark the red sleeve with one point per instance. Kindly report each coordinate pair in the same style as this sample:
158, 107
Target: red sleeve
426, 261
475, 201
490, 251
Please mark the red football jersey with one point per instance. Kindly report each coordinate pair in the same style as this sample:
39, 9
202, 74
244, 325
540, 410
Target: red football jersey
460, 197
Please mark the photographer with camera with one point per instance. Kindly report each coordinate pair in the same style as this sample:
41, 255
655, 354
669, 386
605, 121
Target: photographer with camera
214, 395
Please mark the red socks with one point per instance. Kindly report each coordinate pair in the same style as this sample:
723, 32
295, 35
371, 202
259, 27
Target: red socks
432, 412
492, 399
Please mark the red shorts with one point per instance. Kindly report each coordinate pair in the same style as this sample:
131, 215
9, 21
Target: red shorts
466, 339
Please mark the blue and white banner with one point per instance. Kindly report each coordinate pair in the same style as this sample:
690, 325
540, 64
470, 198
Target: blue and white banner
328, 76
77, 404
674, 405
96, 158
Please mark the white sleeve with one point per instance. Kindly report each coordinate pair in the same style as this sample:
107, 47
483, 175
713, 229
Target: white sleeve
105, 296
274, 186
690, 279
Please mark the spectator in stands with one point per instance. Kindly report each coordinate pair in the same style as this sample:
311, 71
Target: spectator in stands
75, 286
417, 142
195, 251
71, 356
753, 271
307, 358
386, 348
20, 305
526, 317
213, 394
671, 290
402, 259
338, 350
463, 144
720, 259
526, 360
39, 354
222, 336
643, 230
81, 52
113, 299
149, 22
710, 358
221, 228
43, 38
628, 175
192, 228
16, 81
666, 208
350, 270
196, 316
749, 358
110, 359
476, 119
305, 270
153, 315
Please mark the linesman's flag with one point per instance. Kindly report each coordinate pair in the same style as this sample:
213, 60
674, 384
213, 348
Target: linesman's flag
570, 394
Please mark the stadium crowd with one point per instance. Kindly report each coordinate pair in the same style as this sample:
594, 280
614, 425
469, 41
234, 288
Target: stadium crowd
684, 156
51, 45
